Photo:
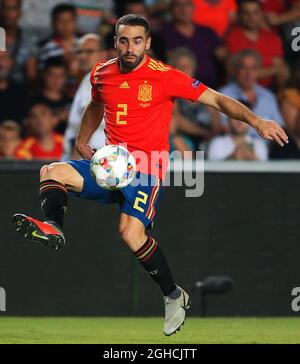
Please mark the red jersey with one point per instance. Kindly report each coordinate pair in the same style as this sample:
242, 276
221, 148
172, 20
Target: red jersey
277, 6
31, 149
214, 14
138, 107
268, 45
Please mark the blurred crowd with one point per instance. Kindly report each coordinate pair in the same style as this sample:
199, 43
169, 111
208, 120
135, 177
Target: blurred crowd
243, 48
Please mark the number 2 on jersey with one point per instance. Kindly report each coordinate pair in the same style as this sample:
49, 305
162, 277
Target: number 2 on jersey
122, 111
139, 200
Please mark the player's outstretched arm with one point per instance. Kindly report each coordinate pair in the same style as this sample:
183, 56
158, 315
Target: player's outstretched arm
91, 120
268, 129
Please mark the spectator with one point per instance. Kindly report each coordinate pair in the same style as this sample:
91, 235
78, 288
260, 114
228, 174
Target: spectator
22, 44
250, 35
158, 7
109, 43
10, 138
53, 91
89, 52
91, 14
246, 65
201, 40
281, 12
12, 95
157, 44
179, 142
197, 122
238, 144
43, 142
216, 14
36, 14
62, 42
290, 101
283, 15
154, 7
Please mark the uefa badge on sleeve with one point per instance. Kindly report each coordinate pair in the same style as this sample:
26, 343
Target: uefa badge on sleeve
196, 83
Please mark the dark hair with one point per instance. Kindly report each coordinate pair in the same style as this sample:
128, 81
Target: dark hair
10, 125
133, 20
40, 103
19, 4
122, 5
55, 62
133, 2
62, 8
241, 2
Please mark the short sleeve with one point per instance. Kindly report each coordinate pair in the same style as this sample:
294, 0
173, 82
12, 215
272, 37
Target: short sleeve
95, 94
231, 5
178, 84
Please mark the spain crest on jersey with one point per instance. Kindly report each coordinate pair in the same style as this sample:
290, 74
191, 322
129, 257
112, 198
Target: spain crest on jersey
145, 92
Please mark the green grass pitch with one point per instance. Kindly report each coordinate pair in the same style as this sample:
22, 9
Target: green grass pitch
108, 330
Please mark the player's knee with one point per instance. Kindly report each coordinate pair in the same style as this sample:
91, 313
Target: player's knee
43, 172
55, 171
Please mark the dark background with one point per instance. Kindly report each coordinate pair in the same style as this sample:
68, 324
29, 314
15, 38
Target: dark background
246, 226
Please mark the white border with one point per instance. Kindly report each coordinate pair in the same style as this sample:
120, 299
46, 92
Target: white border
238, 166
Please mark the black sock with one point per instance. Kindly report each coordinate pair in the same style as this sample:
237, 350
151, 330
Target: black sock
153, 260
54, 199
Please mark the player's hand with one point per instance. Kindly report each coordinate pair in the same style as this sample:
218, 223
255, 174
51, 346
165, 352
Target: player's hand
270, 130
85, 151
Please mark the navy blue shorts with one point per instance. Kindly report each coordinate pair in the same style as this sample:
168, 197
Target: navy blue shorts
136, 199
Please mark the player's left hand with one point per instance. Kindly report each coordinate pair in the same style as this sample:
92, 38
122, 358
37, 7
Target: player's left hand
270, 130
85, 151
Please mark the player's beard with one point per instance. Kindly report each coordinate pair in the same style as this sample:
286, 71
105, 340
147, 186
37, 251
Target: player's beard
127, 66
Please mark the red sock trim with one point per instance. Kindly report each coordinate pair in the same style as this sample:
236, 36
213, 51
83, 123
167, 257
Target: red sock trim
51, 184
147, 250
150, 254
144, 247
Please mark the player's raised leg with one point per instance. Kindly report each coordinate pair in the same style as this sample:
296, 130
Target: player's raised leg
55, 180
152, 258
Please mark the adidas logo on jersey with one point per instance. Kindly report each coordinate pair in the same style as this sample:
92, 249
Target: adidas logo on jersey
124, 85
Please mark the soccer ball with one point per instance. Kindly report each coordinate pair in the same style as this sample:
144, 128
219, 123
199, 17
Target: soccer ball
113, 167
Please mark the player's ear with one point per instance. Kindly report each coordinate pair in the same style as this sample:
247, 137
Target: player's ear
148, 43
115, 41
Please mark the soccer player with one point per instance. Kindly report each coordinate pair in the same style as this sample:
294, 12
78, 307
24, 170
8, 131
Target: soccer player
136, 93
